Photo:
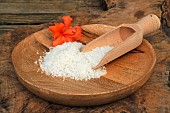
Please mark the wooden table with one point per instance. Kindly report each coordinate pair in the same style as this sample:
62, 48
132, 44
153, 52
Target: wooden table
153, 97
19, 13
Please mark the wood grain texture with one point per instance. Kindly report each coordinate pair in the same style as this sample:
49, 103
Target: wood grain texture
35, 12
153, 97
128, 11
58, 6
22, 8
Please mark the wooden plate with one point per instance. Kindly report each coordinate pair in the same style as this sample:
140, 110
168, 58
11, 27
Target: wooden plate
124, 75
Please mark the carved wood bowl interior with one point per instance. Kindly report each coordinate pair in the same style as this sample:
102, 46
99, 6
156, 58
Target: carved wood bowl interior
124, 75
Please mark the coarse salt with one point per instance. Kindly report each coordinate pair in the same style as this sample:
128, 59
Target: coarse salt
67, 60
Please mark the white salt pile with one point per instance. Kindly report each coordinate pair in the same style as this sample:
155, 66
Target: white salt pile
66, 60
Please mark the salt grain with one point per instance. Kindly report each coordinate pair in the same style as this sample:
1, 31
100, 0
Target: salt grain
35, 62
67, 60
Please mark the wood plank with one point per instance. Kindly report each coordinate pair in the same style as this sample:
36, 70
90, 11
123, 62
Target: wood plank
22, 8
28, 18
7, 28
79, 2
34, 1
10, 27
128, 12
17, 12
62, 6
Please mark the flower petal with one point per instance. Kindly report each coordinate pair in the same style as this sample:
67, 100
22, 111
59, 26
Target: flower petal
67, 21
57, 29
78, 33
69, 31
70, 39
58, 41
53, 30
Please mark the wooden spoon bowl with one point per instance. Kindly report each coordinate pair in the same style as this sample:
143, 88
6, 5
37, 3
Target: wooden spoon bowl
124, 75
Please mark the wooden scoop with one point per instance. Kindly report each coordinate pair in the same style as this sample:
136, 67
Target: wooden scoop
123, 38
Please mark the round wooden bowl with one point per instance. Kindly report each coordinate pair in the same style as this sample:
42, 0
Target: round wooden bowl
124, 75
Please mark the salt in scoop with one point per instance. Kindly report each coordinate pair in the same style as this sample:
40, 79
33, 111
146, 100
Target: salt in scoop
123, 38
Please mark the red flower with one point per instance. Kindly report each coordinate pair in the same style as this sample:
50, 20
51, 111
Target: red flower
63, 32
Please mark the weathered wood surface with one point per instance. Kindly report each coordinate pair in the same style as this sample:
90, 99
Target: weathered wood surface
33, 12
153, 97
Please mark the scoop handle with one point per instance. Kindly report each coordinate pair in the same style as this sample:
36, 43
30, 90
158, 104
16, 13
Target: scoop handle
149, 23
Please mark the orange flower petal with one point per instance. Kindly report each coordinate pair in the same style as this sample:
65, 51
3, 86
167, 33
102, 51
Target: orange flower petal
67, 21
70, 39
56, 29
78, 33
53, 30
59, 27
69, 31
63, 38
57, 41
